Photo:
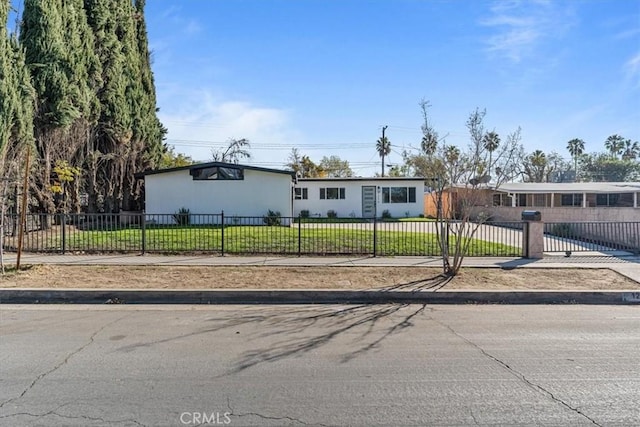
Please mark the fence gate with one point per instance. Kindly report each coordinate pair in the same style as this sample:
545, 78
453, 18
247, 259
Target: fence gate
608, 238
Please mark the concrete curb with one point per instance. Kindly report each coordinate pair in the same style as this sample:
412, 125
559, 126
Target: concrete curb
248, 296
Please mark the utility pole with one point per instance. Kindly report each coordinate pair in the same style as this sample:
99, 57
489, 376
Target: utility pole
384, 147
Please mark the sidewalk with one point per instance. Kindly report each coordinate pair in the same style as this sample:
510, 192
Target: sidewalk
626, 266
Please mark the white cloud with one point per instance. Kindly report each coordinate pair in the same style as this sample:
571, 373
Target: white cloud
521, 26
192, 27
632, 69
201, 122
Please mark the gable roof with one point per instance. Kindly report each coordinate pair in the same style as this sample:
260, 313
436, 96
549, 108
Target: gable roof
198, 166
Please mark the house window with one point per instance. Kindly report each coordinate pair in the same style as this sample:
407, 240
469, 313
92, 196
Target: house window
217, 173
332, 193
615, 200
301, 193
521, 200
571, 200
398, 194
499, 200
540, 200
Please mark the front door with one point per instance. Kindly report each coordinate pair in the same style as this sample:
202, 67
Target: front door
368, 201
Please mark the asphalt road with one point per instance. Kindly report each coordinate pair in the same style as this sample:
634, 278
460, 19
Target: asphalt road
319, 365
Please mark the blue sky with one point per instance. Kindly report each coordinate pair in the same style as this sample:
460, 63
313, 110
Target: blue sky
325, 76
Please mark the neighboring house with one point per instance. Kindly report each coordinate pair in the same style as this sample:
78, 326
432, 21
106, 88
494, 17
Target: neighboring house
577, 201
210, 188
359, 197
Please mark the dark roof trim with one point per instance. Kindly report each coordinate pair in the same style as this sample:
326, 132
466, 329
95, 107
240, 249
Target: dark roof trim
386, 178
214, 164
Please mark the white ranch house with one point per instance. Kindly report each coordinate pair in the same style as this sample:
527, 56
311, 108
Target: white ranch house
359, 197
576, 201
210, 188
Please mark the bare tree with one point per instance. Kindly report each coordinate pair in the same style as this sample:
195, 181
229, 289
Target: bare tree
236, 150
463, 174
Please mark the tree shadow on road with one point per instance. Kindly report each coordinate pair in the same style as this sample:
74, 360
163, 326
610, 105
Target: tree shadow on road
430, 283
297, 331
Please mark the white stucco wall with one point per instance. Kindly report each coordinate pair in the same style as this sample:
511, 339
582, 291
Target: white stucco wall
351, 206
255, 195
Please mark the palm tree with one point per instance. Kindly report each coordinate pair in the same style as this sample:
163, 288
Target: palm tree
383, 147
615, 144
631, 150
576, 149
538, 161
491, 142
452, 154
429, 144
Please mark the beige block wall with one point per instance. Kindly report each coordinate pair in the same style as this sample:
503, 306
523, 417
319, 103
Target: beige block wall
567, 214
617, 229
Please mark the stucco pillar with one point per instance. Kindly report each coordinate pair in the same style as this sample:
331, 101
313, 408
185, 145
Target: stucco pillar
552, 200
584, 200
533, 241
635, 200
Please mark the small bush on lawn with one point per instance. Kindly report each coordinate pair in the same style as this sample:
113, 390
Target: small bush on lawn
304, 213
182, 217
332, 214
272, 218
386, 214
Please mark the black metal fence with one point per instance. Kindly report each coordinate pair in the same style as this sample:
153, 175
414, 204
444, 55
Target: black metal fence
224, 234
601, 237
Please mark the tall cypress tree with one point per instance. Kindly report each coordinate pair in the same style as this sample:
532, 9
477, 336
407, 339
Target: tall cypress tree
148, 132
152, 132
113, 132
129, 136
58, 45
16, 112
16, 95
6, 77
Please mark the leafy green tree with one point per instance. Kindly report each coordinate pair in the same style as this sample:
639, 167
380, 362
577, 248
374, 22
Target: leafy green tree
602, 167
303, 166
335, 167
171, 159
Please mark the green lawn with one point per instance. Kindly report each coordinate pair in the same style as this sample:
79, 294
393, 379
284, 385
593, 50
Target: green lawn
267, 239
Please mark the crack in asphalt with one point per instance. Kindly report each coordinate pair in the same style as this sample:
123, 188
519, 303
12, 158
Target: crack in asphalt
267, 417
475, 420
64, 362
518, 374
70, 417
